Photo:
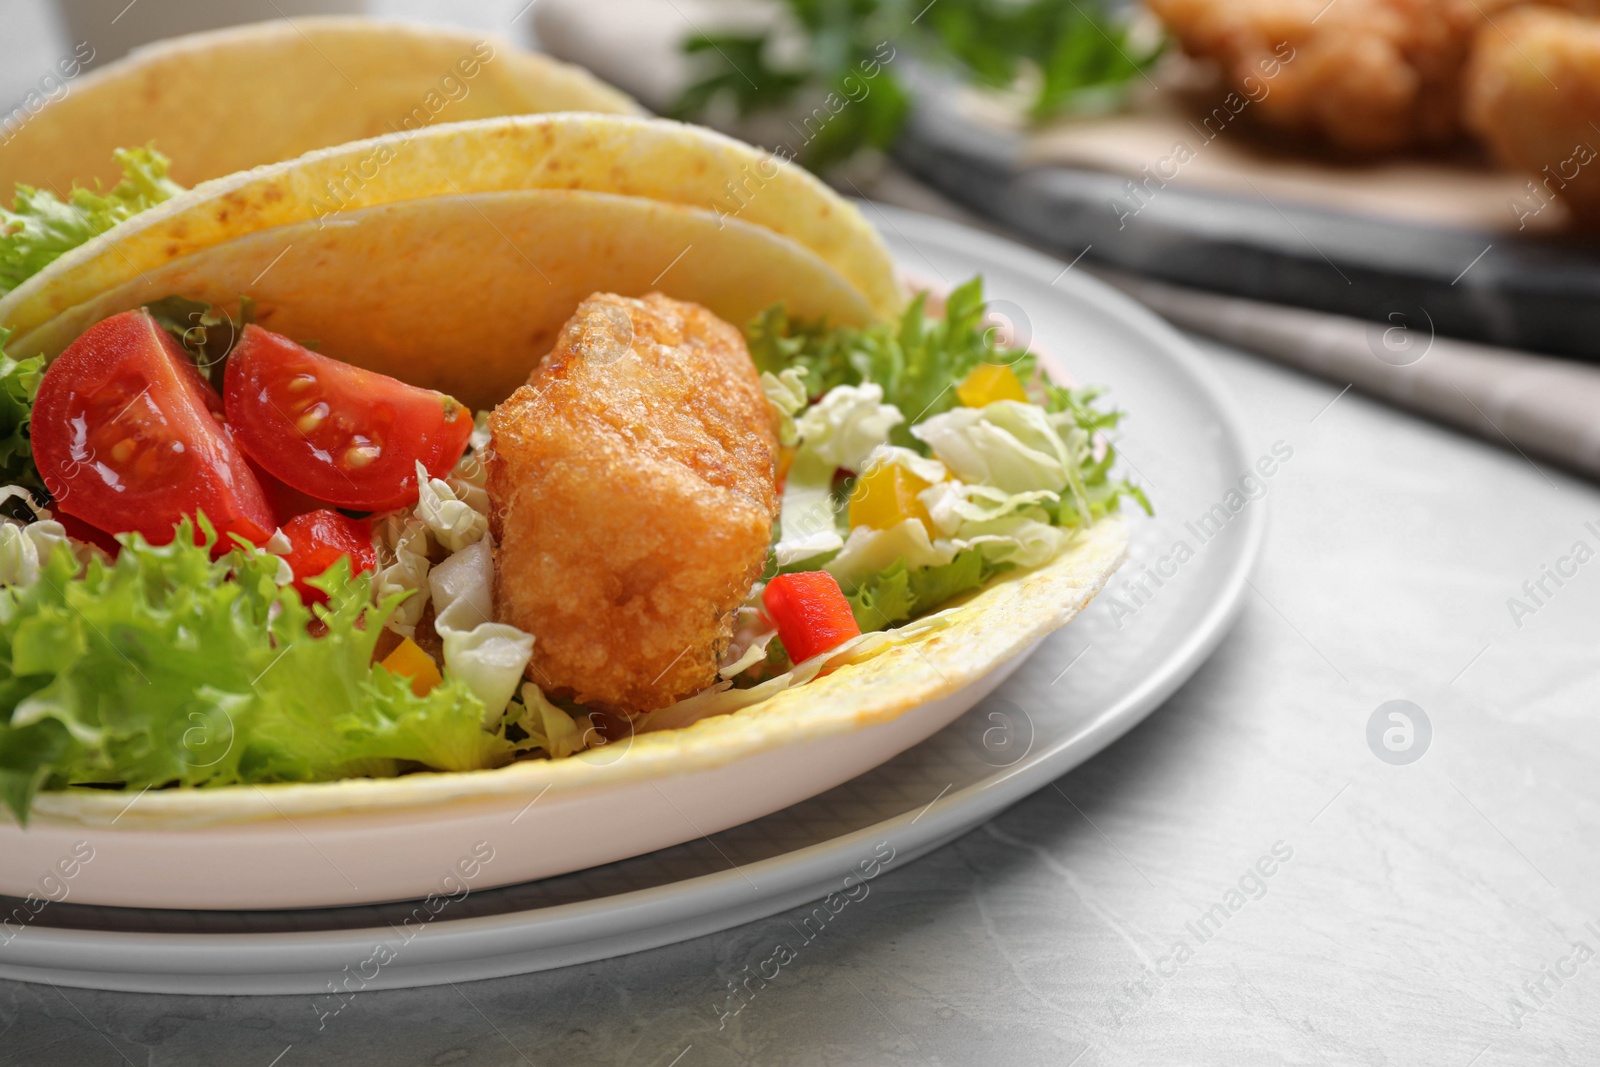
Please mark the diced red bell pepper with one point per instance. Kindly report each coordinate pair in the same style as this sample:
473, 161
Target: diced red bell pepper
810, 612
318, 540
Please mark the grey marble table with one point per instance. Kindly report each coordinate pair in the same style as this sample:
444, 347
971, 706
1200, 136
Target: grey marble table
1434, 913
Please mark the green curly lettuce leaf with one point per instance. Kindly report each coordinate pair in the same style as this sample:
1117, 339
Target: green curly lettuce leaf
166, 667
19, 384
898, 594
917, 360
1092, 486
41, 227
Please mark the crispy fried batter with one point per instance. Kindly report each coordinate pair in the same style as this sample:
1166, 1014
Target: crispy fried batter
632, 491
1365, 75
1533, 94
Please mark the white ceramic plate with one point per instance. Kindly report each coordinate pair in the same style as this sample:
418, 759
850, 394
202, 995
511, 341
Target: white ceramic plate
1085, 686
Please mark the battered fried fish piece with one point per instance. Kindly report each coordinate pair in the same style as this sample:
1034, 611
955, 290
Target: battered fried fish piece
1533, 95
1368, 76
632, 496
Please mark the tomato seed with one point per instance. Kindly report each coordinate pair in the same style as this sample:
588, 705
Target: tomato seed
312, 418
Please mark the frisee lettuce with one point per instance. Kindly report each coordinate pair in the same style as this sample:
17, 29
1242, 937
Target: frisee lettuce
916, 361
168, 667
896, 594
41, 227
1091, 482
919, 359
19, 384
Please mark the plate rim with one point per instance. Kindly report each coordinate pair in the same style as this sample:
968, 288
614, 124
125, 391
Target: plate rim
592, 929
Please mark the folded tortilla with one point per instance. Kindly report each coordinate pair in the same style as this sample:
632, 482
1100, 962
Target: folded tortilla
465, 294
650, 159
228, 100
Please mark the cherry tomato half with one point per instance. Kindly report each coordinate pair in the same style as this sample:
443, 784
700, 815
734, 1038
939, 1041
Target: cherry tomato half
318, 540
348, 436
79, 530
128, 436
285, 500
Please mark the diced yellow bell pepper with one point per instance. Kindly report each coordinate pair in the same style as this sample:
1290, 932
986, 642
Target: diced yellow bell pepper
886, 496
989, 382
409, 661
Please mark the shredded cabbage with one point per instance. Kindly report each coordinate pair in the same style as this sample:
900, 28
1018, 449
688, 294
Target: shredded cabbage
843, 427
752, 633
1020, 540
915, 463
786, 393
488, 656
24, 549
401, 541
807, 513
454, 522
1007, 444
867, 551
547, 726
961, 510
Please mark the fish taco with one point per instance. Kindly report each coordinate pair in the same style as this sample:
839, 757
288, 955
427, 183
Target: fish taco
541, 442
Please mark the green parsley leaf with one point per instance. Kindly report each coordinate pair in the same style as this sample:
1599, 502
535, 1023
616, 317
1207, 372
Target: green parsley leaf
1082, 56
740, 70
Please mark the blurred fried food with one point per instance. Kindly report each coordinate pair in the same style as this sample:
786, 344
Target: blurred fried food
1533, 95
632, 492
1365, 75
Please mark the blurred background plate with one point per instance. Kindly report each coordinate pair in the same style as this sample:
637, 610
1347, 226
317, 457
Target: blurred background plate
1085, 686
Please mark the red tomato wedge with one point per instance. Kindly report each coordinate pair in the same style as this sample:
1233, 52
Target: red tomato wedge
79, 530
810, 612
318, 540
348, 436
128, 436
285, 500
